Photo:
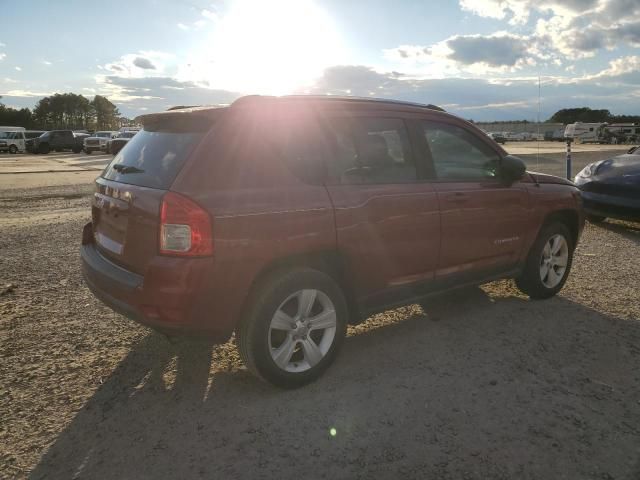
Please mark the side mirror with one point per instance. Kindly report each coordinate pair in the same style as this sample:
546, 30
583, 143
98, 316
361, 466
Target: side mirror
512, 169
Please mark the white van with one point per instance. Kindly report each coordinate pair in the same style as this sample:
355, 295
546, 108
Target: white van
12, 139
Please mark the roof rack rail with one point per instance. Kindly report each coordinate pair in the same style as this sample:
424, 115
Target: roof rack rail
248, 99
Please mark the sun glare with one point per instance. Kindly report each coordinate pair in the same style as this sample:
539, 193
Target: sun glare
274, 47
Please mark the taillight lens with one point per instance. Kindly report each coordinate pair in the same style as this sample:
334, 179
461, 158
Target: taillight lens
185, 228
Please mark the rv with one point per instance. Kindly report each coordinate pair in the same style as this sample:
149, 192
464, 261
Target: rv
12, 139
587, 132
624, 132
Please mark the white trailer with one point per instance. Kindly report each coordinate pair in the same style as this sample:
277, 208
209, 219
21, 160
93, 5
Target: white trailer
587, 132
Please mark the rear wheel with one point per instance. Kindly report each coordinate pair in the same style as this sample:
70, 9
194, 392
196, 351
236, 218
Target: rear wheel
549, 262
88, 151
44, 148
596, 218
76, 149
293, 328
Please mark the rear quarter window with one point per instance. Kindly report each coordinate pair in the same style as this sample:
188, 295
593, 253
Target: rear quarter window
152, 158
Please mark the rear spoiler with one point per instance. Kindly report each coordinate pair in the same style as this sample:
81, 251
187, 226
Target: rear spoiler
184, 119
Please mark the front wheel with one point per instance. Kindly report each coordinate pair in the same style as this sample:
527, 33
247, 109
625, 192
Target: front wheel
293, 328
13, 149
549, 262
88, 151
44, 148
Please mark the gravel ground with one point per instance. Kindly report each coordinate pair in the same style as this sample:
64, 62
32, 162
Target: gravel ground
480, 383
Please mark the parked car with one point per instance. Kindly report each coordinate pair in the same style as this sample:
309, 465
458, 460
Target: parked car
611, 188
97, 141
12, 139
57, 140
497, 137
116, 144
284, 219
28, 134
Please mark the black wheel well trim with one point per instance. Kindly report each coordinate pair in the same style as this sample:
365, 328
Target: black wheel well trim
569, 218
332, 262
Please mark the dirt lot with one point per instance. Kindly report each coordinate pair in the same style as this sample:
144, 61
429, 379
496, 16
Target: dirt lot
477, 384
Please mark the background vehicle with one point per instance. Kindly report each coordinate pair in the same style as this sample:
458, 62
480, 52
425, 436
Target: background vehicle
611, 188
588, 132
98, 141
116, 144
284, 219
497, 137
12, 139
57, 140
29, 134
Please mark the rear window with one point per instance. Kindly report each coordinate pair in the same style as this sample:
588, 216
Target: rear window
153, 158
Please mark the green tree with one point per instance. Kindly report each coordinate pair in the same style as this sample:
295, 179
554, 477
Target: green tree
584, 114
106, 113
12, 117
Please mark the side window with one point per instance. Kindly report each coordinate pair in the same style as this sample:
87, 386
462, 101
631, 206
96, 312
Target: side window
458, 155
371, 151
301, 142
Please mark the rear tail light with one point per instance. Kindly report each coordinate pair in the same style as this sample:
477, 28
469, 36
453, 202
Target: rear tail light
185, 228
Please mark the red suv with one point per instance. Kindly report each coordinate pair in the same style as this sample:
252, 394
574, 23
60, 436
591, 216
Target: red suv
284, 219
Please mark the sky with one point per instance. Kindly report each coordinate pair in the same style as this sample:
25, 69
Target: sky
480, 59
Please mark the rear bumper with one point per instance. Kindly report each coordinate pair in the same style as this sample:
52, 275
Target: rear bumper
611, 206
173, 296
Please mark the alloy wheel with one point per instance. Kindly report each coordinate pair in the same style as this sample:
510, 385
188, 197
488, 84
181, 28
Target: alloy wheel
553, 262
302, 330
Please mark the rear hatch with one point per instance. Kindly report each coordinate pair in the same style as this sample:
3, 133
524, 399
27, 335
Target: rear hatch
128, 196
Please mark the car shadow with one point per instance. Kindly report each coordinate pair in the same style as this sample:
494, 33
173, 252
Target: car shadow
627, 229
472, 385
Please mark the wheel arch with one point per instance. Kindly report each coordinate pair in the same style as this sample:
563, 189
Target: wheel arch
567, 217
331, 262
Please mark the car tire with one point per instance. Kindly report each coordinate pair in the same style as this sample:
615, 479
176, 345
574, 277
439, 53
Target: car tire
88, 151
13, 149
44, 148
548, 263
596, 218
278, 338
76, 150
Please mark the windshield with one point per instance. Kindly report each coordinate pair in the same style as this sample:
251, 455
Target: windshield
127, 135
102, 134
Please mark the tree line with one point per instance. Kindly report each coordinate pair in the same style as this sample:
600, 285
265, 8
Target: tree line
587, 115
65, 111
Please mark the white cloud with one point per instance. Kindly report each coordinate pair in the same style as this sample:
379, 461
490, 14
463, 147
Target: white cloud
3, 56
476, 54
572, 28
518, 11
9, 80
182, 26
46, 62
2, 44
142, 64
19, 69
25, 93
199, 23
209, 14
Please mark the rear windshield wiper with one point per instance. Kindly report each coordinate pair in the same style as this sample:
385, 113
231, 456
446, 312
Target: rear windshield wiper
120, 168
